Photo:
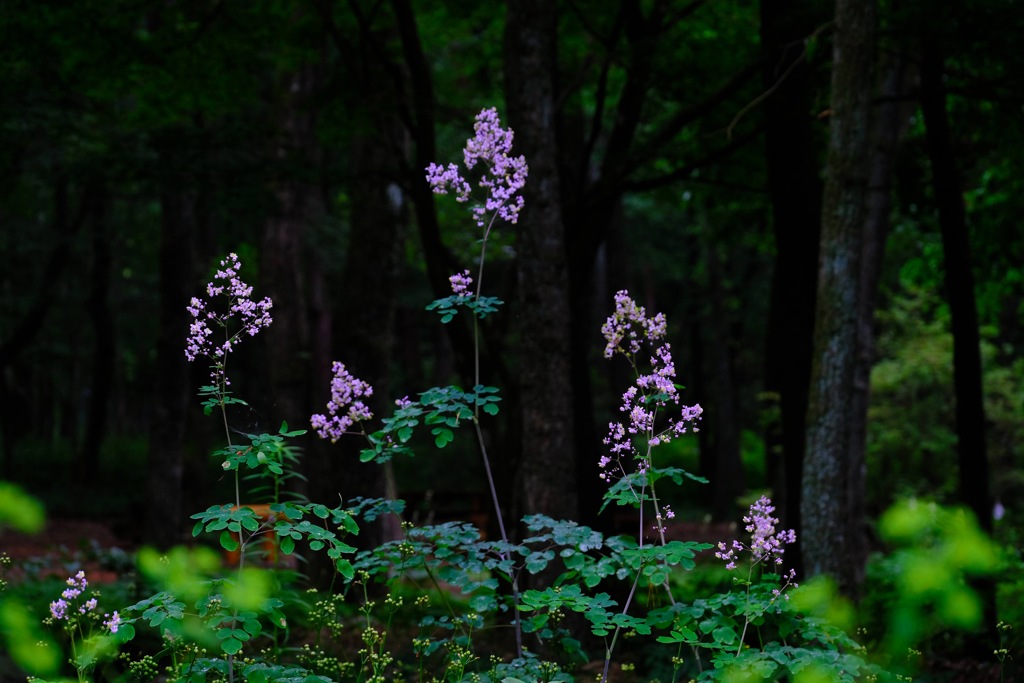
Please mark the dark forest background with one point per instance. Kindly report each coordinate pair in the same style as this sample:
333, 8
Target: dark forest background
714, 157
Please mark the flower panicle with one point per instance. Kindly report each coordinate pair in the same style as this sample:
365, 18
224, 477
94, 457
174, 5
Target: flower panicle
766, 544
346, 406
251, 315
69, 603
502, 179
626, 332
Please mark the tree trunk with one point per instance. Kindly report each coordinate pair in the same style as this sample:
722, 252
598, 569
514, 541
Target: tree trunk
972, 454
171, 374
829, 530
890, 122
795, 188
365, 333
542, 316
282, 272
727, 474
956, 247
15, 420
98, 305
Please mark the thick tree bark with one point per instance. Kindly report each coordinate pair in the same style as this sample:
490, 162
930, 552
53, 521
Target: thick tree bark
829, 530
890, 122
795, 187
542, 319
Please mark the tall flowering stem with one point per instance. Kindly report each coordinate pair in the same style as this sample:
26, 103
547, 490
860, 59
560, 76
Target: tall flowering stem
73, 608
627, 464
630, 441
766, 548
232, 314
502, 178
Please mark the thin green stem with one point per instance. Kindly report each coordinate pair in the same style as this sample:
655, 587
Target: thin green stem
483, 446
746, 608
615, 635
504, 539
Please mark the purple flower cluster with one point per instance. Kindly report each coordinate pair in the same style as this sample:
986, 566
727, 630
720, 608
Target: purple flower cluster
502, 179
252, 316
765, 543
627, 328
76, 586
112, 623
626, 331
345, 407
462, 283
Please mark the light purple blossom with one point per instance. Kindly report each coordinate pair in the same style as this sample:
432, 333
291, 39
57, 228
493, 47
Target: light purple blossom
503, 176
76, 585
766, 545
461, 283
626, 328
626, 332
345, 408
252, 316
59, 609
112, 623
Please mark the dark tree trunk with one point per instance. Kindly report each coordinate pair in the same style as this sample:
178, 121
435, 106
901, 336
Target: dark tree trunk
420, 120
542, 316
98, 305
727, 474
829, 530
171, 375
282, 271
13, 419
890, 118
592, 205
972, 454
956, 247
794, 184
365, 333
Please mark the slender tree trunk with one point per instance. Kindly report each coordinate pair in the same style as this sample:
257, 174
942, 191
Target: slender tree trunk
795, 188
282, 270
542, 319
15, 419
421, 122
972, 454
727, 475
967, 376
98, 305
171, 374
365, 333
828, 527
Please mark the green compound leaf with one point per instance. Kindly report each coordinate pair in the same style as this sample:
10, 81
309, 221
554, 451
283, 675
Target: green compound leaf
287, 545
345, 569
442, 436
231, 646
228, 541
